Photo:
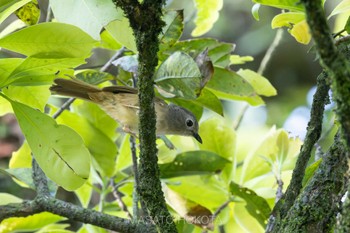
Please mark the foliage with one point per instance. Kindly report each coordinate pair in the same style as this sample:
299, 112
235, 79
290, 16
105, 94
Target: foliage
81, 151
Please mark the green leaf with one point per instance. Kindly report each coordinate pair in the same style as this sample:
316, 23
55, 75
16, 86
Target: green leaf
29, 13
35, 97
22, 157
108, 42
7, 7
23, 175
193, 163
256, 205
121, 31
7, 66
255, 11
195, 107
207, 15
209, 100
178, 76
218, 52
275, 153
58, 149
28, 224
6, 198
342, 7
207, 191
261, 85
84, 194
293, 5
50, 40
101, 147
89, 15
40, 71
296, 23
93, 77
310, 171
172, 30
230, 82
238, 60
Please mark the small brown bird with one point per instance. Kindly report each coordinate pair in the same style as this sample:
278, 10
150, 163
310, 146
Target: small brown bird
121, 103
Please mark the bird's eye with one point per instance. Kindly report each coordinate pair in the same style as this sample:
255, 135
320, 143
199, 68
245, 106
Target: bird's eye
189, 123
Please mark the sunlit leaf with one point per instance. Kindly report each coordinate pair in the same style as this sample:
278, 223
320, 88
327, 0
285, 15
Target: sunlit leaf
23, 175
54, 146
310, 171
7, 66
261, 85
193, 163
35, 96
207, 15
22, 157
50, 40
204, 190
108, 42
84, 194
101, 147
40, 71
296, 23
342, 7
28, 224
294, 5
178, 76
243, 220
121, 31
7, 7
238, 60
209, 100
89, 15
29, 13
256, 205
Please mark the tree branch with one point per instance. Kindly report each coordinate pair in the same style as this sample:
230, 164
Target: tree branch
145, 20
316, 208
314, 129
334, 63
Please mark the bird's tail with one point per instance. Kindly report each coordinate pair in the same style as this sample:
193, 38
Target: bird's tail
73, 88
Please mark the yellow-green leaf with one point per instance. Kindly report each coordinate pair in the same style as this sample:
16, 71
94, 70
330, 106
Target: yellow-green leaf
29, 13
58, 149
261, 85
207, 14
342, 7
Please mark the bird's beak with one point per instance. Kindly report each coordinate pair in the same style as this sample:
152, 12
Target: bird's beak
197, 137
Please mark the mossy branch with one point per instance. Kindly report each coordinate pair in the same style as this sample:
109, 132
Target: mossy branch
145, 20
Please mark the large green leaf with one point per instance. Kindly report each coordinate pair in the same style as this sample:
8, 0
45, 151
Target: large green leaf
121, 31
93, 76
193, 163
58, 149
207, 191
255, 205
220, 138
22, 157
343, 6
178, 76
89, 15
28, 224
50, 40
102, 148
7, 66
7, 7
207, 14
35, 96
40, 71
229, 82
294, 5
172, 30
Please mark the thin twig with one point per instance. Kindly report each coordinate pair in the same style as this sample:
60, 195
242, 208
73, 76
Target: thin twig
119, 199
270, 51
240, 117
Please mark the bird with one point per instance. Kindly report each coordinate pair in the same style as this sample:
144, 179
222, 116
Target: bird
121, 103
